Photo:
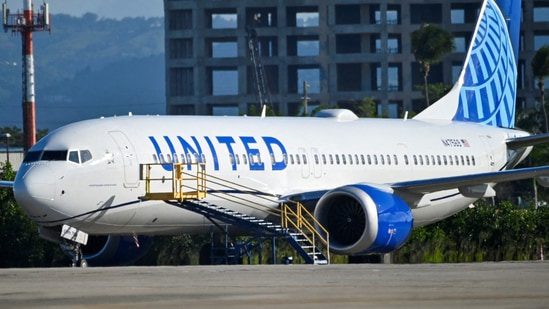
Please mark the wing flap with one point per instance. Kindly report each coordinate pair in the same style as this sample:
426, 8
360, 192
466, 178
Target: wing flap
438, 184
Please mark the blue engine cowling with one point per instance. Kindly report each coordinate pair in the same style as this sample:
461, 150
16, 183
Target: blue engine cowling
363, 219
115, 250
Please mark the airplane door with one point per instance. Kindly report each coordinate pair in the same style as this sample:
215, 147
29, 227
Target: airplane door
317, 164
305, 163
127, 151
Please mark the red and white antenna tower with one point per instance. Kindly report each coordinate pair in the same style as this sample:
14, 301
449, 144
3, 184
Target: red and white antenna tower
26, 23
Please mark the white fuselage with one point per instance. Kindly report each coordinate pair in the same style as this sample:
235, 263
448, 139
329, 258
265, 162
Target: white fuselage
337, 153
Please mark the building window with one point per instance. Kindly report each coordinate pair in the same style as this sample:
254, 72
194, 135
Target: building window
393, 14
541, 12
180, 19
375, 43
394, 77
426, 13
271, 77
224, 80
303, 46
460, 44
261, 17
181, 82
457, 16
223, 49
223, 19
377, 80
540, 39
268, 46
311, 76
225, 110
456, 70
305, 16
390, 110
375, 14
393, 44
181, 48
349, 77
347, 14
348, 44
303, 73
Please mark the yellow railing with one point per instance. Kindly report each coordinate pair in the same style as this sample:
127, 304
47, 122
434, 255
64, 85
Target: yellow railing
184, 185
303, 221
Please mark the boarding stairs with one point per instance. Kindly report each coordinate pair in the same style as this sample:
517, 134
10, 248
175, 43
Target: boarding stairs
189, 190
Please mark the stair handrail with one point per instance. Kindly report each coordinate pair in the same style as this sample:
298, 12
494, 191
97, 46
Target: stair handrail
300, 222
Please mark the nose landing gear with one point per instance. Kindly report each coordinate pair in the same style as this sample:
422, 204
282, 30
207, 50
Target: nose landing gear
73, 239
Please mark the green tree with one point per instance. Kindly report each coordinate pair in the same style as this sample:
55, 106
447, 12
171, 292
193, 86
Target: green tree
429, 44
540, 67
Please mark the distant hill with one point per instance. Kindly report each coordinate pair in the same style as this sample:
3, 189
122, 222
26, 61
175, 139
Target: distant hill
88, 67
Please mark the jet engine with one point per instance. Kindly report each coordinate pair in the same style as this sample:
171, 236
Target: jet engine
363, 219
115, 250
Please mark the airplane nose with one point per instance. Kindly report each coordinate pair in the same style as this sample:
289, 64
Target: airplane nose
34, 190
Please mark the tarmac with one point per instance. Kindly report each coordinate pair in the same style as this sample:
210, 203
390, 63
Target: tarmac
501, 285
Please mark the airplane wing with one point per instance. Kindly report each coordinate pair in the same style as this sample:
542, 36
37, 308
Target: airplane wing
438, 184
6, 184
521, 142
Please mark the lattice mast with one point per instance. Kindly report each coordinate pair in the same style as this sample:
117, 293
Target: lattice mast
26, 23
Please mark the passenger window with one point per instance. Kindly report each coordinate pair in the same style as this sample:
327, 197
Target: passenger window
304, 159
73, 157
331, 159
324, 159
462, 160
473, 160
297, 159
169, 158
396, 159
183, 161
245, 159
445, 161
420, 160
175, 157
316, 159
285, 159
343, 159
415, 160
237, 158
451, 160
382, 159
85, 156
468, 161
438, 160
457, 159
406, 160
389, 159
433, 162
155, 159
356, 159
337, 159
203, 158
375, 159
231, 159
369, 159
162, 159
292, 159
362, 159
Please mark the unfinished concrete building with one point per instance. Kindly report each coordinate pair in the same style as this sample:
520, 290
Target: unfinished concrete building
344, 50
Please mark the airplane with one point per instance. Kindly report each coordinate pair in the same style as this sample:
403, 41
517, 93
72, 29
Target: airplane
370, 181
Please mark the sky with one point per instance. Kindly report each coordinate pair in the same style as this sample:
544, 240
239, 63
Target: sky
117, 9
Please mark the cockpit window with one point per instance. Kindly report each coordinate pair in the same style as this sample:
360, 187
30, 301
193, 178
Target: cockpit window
73, 157
54, 155
85, 156
32, 156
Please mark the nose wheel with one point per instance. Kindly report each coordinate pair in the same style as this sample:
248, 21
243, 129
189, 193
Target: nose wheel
73, 240
75, 250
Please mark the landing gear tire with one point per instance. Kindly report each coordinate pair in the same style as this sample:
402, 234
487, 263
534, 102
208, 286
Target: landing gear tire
83, 263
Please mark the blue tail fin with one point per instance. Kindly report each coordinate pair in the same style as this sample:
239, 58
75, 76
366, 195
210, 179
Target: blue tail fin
486, 89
